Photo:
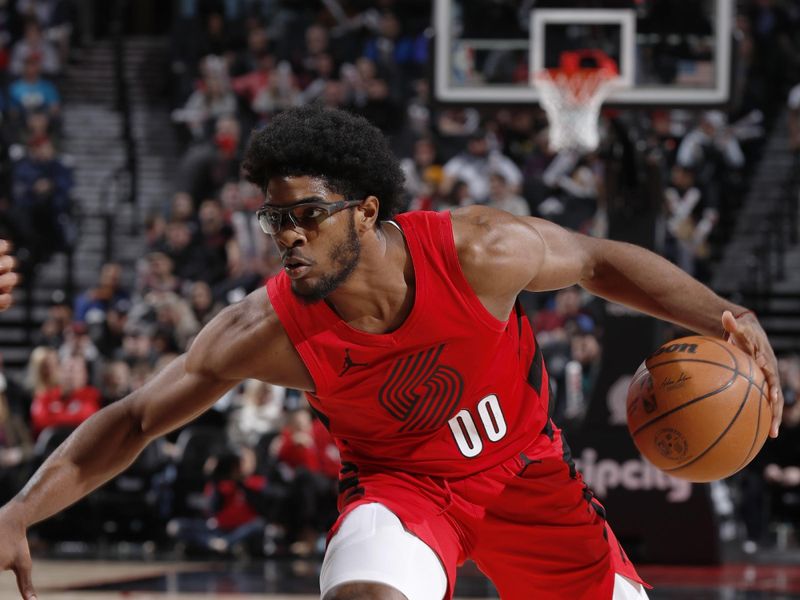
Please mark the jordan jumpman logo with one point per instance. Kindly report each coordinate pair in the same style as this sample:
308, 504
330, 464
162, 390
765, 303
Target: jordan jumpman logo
349, 364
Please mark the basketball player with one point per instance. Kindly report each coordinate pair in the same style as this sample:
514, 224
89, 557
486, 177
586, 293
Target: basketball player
408, 338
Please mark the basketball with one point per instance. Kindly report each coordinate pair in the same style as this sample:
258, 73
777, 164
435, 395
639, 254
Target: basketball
698, 409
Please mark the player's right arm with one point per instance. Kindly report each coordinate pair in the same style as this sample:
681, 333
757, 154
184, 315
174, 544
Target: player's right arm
243, 341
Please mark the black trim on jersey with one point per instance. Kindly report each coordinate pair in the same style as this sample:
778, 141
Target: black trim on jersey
527, 462
323, 418
536, 372
348, 481
567, 455
548, 429
348, 467
346, 484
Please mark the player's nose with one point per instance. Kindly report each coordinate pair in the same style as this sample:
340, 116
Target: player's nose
290, 237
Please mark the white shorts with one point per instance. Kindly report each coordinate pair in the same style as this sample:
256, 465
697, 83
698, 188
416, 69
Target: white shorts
372, 545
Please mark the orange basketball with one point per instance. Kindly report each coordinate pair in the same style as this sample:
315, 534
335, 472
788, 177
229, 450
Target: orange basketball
698, 409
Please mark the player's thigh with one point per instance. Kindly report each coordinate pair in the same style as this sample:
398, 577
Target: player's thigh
373, 550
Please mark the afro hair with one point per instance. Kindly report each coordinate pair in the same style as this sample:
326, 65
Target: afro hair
346, 151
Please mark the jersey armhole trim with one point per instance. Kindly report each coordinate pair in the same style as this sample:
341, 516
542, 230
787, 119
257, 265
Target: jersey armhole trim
299, 342
460, 280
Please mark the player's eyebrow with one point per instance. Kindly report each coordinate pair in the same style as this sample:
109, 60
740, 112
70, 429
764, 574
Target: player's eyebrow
306, 200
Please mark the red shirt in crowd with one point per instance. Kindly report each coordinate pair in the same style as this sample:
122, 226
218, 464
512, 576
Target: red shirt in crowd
51, 408
234, 510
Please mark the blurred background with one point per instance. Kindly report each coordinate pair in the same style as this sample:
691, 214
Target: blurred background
122, 127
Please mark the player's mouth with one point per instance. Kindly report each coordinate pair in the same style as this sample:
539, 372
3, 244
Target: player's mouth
296, 267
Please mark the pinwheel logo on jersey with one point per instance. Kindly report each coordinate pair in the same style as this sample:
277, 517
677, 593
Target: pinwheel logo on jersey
420, 392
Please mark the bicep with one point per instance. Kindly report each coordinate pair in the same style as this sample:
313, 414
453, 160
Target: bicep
563, 258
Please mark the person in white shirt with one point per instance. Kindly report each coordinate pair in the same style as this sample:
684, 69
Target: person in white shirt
474, 166
503, 197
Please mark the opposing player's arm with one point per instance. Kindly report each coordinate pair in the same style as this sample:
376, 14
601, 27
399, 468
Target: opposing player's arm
502, 255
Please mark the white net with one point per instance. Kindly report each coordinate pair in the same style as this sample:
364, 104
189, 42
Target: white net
572, 102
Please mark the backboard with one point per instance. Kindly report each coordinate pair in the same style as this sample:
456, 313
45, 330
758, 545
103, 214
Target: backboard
669, 52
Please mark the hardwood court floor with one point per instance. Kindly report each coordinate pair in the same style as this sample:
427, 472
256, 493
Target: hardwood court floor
272, 580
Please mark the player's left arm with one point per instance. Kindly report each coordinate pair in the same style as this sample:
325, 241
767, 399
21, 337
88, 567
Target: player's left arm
502, 255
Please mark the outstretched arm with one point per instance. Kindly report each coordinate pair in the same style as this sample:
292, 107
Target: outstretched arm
502, 255
231, 347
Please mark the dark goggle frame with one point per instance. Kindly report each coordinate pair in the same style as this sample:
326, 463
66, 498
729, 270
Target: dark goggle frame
305, 214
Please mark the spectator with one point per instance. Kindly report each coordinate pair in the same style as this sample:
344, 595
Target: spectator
213, 99
710, 142
41, 190
92, 305
182, 209
423, 174
215, 236
566, 316
16, 448
574, 184
157, 274
207, 167
237, 498
34, 45
77, 342
31, 92
62, 395
202, 302
59, 318
260, 413
188, 259
689, 221
770, 485
115, 383
502, 197
476, 164
108, 335
302, 463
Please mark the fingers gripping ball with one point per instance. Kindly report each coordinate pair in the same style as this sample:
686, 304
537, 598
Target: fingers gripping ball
698, 409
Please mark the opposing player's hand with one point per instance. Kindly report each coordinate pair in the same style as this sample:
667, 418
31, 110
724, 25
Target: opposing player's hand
15, 555
747, 334
8, 277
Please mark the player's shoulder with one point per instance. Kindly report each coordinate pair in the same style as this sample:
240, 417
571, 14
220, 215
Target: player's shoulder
235, 341
482, 232
494, 248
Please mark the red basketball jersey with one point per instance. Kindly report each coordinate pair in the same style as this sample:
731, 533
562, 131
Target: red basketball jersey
451, 392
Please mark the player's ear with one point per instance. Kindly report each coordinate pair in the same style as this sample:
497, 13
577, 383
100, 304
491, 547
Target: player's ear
367, 213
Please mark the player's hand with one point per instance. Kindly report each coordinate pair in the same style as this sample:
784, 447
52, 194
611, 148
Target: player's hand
8, 278
15, 555
747, 334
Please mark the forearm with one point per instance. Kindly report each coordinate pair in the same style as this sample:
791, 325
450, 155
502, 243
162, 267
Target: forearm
99, 449
110, 440
638, 278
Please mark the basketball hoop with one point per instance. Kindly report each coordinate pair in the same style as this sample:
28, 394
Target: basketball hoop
572, 95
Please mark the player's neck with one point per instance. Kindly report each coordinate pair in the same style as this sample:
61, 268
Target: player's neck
379, 295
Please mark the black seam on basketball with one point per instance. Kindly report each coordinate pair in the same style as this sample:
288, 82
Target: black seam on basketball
723, 345
719, 437
724, 387
758, 422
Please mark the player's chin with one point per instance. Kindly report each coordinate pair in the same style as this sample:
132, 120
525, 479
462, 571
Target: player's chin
307, 291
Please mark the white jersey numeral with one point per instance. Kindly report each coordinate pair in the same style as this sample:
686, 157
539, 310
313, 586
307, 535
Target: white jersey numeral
466, 434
